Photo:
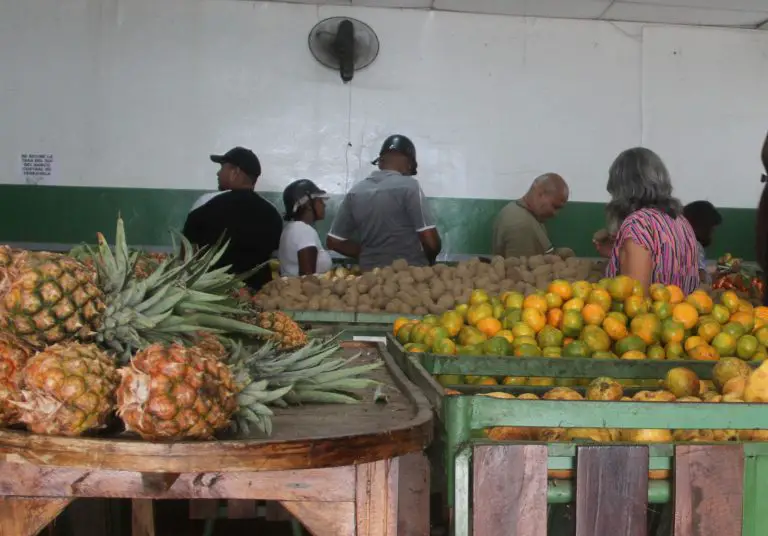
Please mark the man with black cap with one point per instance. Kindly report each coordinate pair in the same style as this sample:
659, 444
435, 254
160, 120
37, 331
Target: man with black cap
385, 217
250, 223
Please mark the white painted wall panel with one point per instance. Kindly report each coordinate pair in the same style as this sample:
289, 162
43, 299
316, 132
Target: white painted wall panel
705, 109
138, 93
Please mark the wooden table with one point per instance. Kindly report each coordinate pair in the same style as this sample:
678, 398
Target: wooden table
339, 469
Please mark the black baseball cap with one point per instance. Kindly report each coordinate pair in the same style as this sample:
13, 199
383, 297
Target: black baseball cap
242, 158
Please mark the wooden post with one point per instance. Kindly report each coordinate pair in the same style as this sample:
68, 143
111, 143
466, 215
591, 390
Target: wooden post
22, 516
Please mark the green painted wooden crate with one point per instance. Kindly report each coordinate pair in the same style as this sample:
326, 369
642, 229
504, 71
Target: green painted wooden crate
463, 417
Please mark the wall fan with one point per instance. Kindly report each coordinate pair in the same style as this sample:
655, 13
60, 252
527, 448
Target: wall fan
343, 44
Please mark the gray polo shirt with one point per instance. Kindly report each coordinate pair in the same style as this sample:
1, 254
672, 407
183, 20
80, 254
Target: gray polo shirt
385, 213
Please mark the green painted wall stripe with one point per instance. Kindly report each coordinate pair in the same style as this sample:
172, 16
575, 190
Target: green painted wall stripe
64, 214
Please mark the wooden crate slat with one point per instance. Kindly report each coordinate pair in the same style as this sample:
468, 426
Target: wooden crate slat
611, 490
709, 488
509, 490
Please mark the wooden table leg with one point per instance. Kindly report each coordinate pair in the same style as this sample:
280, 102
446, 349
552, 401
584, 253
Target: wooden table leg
376, 498
413, 498
142, 517
21, 516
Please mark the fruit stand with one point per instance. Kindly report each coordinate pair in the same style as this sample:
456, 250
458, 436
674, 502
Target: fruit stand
360, 474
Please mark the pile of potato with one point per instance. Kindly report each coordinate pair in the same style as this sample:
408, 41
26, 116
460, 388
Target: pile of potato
401, 289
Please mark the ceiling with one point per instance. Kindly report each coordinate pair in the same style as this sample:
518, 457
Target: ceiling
731, 13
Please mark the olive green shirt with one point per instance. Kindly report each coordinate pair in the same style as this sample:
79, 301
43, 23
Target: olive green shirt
517, 233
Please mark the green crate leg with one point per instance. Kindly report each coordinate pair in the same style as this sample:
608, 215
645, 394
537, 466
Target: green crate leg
755, 495
458, 415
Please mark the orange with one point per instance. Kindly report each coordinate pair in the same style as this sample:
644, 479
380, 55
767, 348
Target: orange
675, 294
452, 321
522, 330
672, 331
596, 339
600, 296
721, 313
469, 336
662, 309
616, 329
674, 350
731, 300
762, 336
704, 352
515, 380
534, 301
549, 337
496, 346
582, 289
555, 317
656, 352
593, 314
761, 312
637, 289
432, 320
554, 301
435, 334
692, 342
725, 344
400, 322
444, 347
478, 296
701, 301
513, 300
486, 380
534, 318
462, 309
416, 348
507, 334
747, 347
633, 354
621, 317
404, 333
759, 323
686, 314
562, 288
572, 323
574, 304
476, 313
621, 287
630, 343
510, 317
745, 319
660, 293
746, 307
419, 333
489, 326
647, 327
527, 350
708, 330
576, 349
635, 305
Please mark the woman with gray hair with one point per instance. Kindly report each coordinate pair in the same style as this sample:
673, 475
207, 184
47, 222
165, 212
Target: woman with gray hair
654, 243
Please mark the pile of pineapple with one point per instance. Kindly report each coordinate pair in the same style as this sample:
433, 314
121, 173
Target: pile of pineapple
159, 342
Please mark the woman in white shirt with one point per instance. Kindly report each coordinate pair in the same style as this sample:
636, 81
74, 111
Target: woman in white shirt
301, 252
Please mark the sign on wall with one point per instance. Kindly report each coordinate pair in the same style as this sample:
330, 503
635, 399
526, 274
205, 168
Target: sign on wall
37, 167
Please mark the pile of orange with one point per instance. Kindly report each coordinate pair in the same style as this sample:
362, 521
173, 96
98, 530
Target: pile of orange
614, 318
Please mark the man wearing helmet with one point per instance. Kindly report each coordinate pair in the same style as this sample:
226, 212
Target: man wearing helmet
301, 252
250, 223
385, 217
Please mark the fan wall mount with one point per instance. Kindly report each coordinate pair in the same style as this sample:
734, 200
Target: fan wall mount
343, 44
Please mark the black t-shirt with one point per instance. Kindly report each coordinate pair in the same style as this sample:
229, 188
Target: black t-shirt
252, 226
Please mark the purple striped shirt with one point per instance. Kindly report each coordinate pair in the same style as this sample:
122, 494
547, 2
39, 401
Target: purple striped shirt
671, 243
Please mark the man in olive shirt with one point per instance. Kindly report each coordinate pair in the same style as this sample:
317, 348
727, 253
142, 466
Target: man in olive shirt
519, 228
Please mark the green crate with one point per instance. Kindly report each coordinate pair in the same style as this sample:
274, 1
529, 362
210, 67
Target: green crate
462, 418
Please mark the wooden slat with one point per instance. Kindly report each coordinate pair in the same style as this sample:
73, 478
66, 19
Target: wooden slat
336, 484
413, 496
509, 496
27, 517
324, 519
142, 517
376, 498
241, 509
612, 490
709, 487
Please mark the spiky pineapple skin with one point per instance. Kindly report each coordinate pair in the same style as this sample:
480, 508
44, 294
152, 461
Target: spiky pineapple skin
68, 389
174, 392
48, 298
13, 357
210, 345
287, 333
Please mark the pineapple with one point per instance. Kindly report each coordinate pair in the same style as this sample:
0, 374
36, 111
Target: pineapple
172, 392
48, 298
68, 389
13, 357
211, 345
287, 333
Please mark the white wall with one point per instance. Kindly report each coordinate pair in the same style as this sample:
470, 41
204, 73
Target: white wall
139, 92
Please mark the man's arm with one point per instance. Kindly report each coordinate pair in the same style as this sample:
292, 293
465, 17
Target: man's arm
424, 222
342, 229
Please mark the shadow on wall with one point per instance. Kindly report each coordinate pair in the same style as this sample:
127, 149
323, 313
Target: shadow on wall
71, 215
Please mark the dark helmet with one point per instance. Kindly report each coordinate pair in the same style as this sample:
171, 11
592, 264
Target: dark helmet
401, 144
299, 193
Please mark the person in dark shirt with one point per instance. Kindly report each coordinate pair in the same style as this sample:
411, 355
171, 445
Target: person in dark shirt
761, 231
250, 223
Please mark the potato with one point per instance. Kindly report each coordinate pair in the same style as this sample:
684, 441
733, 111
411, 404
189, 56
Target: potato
527, 276
389, 290
408, 297
572, 261
514, 274
499, 268
565, 253
400, 265
310, 289
438, 269
520, 286
448, 275
535, 261
552, 259
314, 303
340, 287
506, 284
387, 273
542, 281
364, 308
404, 279
482, 282
420, 310
428, 272
545, 270
422, 287
568, 274
445, 302
417, 273
436, 288
512, 262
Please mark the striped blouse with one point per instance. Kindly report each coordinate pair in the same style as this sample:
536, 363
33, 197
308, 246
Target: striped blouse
671, 242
